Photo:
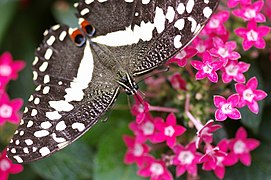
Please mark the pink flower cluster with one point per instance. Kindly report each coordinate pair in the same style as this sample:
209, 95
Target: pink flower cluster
220, 63
9, 109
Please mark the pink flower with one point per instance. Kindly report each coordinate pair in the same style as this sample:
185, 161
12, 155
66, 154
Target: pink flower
155, 169
241, 146
7, 167
225, 51
202, 45
136, 151
233, 3
249, 95
253, 35
186, 159
177, 82
168, 131
140, 108
226, 108
8, 68
216, 25
234, 71
212, 158
251, 12
206, 132
146, 129
9, 109
207, 68
182, 57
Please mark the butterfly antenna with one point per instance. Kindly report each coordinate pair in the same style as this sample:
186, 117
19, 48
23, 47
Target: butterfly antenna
164, 69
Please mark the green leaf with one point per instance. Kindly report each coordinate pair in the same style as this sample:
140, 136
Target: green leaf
7, 9
73, 162
109, 160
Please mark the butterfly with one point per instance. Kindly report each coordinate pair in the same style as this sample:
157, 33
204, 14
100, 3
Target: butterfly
79, 72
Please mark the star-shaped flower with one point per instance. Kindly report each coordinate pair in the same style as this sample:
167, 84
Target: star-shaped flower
216, 25
241, 146
206, 132
207, 68
182, 57
234, 71
7, 167
136, 151
186, 159
249, 94
253, 35
251, 12
168, 131
225, 51
9, 69
155, 169
9, 109
226, 107
140, 108
233, 3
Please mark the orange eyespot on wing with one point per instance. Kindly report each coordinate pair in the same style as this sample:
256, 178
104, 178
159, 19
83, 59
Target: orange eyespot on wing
87, 27
77, 36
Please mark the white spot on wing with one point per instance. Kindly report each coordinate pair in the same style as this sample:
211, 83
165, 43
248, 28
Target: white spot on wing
207, 12
181, 8
89, 1
46, 90
84, 11
28, 142
51, 40
58, 139
61, 126
190, 5
53, 115
61, 105
79, 126
45, 125
44, 66
18, 159
62, 35
177, 41
179, 24
170, 14
41, 133
48, 54
30, 124
159, 20
146, 1
44, 151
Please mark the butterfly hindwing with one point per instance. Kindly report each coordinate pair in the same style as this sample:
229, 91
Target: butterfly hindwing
71, 95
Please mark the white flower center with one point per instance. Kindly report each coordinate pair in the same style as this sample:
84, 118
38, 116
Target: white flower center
4, 165
140, 108
219, 160
252, 35
226, 108
232, 70
5, 111
156, 169
250, 13
138, 150
201, 48
186, 157
5, 70
148, 128
169, 131
214, 23
248, 95
223, 52
207, 69
181, 55
239, 147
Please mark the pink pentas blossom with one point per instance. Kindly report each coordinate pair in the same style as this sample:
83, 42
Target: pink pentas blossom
207, 67
177, 82
140, 108
241, 146
155, 169
186, 159
202, 45
7, 167
206, 132
249, 94
253, 35
233, 3
9, 110
136, 151
9, 69
251, 12
212, 157
234, 71
227, 107
168, 131
225, 51
146, 129
216, 25
182, 57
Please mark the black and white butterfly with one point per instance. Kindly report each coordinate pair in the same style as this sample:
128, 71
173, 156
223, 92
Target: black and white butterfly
79, 72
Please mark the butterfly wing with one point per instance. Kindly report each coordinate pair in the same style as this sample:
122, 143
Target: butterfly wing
153, 30
71, 95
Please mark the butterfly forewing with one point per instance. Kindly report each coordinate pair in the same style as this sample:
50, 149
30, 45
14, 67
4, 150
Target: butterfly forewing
71, 95
156, 29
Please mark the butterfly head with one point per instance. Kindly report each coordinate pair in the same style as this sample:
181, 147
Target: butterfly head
128, 84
